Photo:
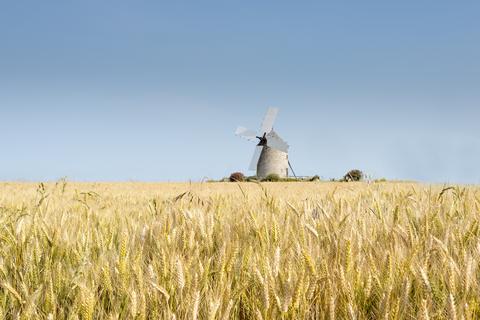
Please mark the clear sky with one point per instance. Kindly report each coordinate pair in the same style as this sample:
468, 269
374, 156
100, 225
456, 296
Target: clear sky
153, 90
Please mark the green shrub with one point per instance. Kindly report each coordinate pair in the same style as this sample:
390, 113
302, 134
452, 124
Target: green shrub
272, 177
314, 178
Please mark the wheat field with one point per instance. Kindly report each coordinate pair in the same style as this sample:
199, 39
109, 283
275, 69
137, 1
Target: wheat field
239, 251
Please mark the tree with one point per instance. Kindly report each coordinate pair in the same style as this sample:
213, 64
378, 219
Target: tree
353, 175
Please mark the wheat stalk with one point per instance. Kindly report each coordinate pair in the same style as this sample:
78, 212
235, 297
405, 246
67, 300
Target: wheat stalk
297, 251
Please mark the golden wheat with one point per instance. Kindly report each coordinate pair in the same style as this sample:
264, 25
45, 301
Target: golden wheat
239, 251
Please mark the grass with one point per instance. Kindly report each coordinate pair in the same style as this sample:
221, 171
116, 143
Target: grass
239, 251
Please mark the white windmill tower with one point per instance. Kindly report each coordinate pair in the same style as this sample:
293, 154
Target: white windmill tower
271, 152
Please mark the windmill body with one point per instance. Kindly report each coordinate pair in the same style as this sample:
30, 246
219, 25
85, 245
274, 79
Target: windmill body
272, 161
271, 152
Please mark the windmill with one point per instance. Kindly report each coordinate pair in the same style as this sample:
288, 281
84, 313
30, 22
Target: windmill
271, 152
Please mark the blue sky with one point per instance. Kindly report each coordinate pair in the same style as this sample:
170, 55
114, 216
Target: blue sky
153, 90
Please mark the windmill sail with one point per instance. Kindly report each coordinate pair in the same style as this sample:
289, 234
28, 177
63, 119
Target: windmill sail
268, 121
245, 133
274, 141
256, 156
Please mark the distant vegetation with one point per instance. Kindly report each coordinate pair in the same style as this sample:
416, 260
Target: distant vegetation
353, 175
240, 177
237, 177
273, 177
350, 176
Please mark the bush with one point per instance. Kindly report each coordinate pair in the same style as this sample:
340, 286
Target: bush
237, 177
353, 175
272, 177
314, 178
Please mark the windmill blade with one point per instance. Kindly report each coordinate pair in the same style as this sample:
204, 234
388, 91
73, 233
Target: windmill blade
245, 133
255, 158
268, 121
274, 141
